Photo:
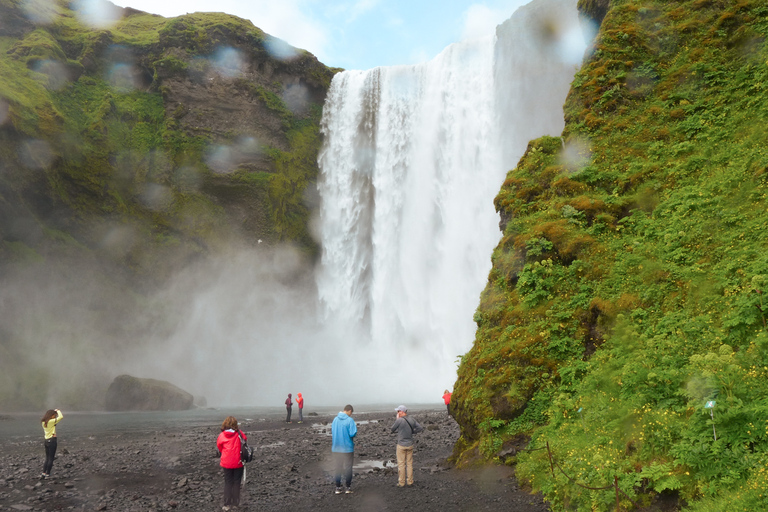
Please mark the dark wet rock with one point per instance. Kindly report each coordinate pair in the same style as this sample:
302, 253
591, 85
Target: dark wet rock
127, 393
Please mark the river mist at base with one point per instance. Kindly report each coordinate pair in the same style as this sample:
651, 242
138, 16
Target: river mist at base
413, 158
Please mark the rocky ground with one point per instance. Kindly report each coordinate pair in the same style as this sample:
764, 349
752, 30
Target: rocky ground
159, 470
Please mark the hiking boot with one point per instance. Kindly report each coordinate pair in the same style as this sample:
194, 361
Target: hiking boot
338, 490
348, 491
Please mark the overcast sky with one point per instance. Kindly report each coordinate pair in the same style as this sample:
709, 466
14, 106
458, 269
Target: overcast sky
356, 34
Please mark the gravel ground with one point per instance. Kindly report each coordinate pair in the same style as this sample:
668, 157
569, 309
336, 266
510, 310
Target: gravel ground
155, 470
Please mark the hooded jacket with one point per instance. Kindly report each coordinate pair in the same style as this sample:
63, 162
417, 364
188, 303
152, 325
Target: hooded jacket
300, 401
343, 430
228, 444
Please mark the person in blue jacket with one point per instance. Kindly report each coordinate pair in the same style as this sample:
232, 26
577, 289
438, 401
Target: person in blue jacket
343, 432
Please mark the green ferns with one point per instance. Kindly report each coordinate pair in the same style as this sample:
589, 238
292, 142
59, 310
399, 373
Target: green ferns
628, 288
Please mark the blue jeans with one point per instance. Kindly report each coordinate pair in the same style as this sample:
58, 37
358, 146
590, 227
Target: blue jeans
343, 467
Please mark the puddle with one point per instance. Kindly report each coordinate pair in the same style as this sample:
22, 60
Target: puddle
369, 466
322, 429
325, 428
273, 445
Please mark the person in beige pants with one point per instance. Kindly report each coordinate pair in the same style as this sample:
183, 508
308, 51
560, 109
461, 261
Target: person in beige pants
405, 429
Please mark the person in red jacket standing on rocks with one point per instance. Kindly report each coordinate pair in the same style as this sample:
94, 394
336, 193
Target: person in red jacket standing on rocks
447, 400
300, 403
228, 444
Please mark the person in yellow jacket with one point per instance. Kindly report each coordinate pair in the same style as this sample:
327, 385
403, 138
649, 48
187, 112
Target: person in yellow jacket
51, 418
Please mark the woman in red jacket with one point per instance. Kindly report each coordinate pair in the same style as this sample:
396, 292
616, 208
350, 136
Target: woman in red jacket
228, 444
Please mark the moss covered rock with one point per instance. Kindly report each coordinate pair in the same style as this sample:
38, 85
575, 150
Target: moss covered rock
627, 289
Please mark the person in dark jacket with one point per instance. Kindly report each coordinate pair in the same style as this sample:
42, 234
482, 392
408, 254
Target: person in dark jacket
228, 444
405, 429
288, 408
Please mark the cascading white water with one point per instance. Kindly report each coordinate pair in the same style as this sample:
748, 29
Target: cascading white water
412, 160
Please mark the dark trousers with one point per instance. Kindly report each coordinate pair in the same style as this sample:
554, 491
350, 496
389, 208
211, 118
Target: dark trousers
287, 413
50, 454
232, 478
448, 408
343, 463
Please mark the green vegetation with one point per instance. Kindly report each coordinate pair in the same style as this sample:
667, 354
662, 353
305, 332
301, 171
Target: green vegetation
203, 33
629, 286
116, 138
127, 154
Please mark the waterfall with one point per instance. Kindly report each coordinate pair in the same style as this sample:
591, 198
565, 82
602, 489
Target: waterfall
413, 157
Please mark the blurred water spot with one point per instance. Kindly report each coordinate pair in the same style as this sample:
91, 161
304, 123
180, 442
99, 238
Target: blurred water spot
4, 108
36, 154
571, 44
220, 159
576, 154
121, 76
296, 98
39, 12
118, 239
156, 197
279, 49
565, 40
57, 73
248, 146
228, 62
96, 13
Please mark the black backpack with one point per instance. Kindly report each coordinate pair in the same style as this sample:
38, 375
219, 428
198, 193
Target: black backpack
246, 452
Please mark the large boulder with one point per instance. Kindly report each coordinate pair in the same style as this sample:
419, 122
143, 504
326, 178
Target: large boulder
127, 393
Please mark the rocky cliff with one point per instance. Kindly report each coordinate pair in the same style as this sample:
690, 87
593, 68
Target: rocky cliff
624, 324
130, 148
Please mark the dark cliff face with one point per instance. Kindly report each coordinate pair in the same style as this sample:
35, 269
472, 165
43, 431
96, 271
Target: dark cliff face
594, 10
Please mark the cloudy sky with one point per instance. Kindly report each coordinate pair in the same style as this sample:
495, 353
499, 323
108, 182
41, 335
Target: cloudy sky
356, 34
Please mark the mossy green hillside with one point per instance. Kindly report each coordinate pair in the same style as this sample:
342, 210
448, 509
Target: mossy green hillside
629, 286
118, 146
128, 153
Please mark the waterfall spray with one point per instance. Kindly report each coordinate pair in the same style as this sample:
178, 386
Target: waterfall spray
412, 159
